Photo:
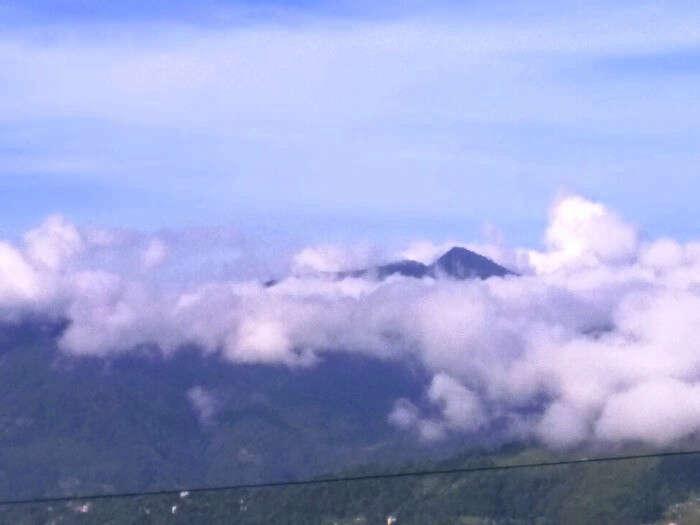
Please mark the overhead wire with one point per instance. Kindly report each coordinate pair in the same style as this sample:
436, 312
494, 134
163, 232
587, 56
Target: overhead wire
342, 479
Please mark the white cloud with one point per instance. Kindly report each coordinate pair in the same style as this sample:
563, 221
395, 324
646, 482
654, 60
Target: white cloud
426, 252
562, 425
584, 233
333, 258
663, 254
53, 243
658, 411
18, 280
260, 341
404, 414
430, 430
154, 254
204, 404
577, 350
460, 410
460, 407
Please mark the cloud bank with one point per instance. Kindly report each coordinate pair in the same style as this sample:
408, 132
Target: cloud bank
594, 342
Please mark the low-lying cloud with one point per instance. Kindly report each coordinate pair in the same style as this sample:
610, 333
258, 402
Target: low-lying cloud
595, 340
204, 404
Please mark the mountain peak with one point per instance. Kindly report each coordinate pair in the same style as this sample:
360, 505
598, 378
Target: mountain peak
457, 263
461, 263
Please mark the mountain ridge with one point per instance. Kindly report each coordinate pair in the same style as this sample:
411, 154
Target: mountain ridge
67, 422
457, 263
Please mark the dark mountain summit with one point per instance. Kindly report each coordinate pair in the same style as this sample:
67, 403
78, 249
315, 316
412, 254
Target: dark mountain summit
457, 263
460, 263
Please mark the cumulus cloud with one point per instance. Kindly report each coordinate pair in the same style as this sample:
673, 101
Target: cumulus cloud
595, 342
31, 274
582, 232
18, 280
53, 243
655, 411
460, 410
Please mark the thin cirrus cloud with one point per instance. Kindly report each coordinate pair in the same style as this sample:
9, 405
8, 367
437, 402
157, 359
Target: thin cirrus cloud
369, 113
593, 342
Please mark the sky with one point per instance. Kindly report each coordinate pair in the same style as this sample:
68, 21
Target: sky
336, 121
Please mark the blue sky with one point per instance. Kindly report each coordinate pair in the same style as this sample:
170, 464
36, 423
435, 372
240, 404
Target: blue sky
340, 120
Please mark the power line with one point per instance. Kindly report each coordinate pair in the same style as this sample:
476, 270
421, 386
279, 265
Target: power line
343, 479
